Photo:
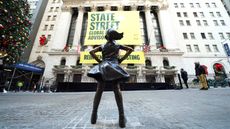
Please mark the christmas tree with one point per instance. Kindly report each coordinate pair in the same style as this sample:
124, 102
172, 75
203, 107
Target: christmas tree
14, 29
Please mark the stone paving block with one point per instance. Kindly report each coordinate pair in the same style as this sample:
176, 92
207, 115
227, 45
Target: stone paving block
163, 109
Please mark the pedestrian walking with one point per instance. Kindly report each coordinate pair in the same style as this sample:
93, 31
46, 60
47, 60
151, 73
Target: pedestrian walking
184, 76
109, 72
200, 73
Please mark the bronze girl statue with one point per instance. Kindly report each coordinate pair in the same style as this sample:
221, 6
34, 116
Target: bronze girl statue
109, 71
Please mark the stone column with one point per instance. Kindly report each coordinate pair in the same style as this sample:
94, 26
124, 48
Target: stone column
78, 28
120, 7
167, 29
107, 8
150, 28
62, 31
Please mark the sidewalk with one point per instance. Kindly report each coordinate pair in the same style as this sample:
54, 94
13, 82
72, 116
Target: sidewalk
157, 109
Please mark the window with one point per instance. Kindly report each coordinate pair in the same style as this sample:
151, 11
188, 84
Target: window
36, 3
165, 61
143, 28
51, 27
214, 5
196, 48
197, 5
215, 22
83, 33
191, 5
185, 14
57, 8
188, 23
189, 48
221, 36
192, 35
210, 36
181, 22
198, 22
222, 23
205, 22
54, 17
178, 14
207, 47
63, 61
195, 14
148, 62
207, 5
48, 18
54, 1
49, 37
211, 14
215, 48
175, 5
228, 35
72, 29
182, 5
185, 35
125, 8
114, 8
203, 35
45, 27
51, 9
218, 14
201, 14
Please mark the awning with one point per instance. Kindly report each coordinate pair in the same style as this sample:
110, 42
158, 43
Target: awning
29, 67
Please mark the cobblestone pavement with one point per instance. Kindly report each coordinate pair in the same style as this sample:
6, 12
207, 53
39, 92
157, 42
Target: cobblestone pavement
156, 109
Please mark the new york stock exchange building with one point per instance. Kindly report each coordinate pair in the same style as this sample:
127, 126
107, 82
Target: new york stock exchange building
166, 35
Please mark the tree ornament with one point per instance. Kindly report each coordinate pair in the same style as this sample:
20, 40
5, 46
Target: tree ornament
3, 53
1, 26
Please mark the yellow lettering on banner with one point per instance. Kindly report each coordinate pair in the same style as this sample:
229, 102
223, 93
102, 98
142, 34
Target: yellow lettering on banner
133, 58
100, 22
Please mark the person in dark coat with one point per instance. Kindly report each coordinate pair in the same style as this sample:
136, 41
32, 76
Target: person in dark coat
201, 75
184, 76
109, 72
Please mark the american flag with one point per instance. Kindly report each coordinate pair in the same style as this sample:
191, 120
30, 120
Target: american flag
146, 48
66, 48
78, 49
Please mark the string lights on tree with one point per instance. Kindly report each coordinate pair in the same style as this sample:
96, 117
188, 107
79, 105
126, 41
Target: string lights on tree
14, 29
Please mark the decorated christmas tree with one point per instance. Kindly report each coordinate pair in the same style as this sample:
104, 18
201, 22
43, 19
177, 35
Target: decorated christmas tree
14, 29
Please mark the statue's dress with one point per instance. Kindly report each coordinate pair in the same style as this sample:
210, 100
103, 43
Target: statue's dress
109, 69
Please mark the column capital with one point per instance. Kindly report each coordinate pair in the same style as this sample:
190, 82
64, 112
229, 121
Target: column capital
66, 9
107, 7
163, 4
147, 8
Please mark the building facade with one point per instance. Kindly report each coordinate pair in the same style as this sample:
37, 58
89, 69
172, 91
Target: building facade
177, 33
37, 8
227, 5
33, 5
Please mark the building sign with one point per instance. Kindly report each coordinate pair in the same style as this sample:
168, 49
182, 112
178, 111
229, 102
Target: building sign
122, 21
226, 48
133, 58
